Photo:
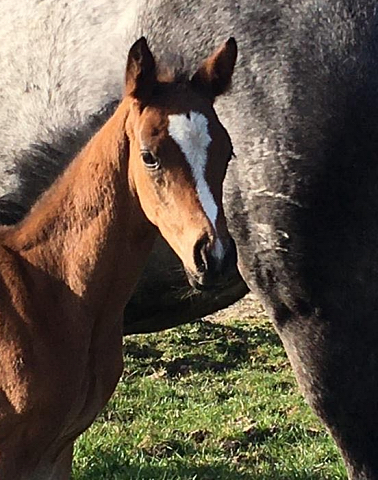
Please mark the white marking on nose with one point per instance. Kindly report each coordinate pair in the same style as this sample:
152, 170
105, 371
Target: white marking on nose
192, 136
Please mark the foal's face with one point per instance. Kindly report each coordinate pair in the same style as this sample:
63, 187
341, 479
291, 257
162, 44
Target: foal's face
178, 160
179, 153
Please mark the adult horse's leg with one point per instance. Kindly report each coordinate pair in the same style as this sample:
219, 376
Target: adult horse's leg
333, 349
337, 374
313, 259
63, 466
307, 247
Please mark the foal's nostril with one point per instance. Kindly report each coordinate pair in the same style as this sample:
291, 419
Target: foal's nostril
201, 254
211, 271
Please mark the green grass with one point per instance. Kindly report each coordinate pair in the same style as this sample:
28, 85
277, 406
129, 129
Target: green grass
207, 401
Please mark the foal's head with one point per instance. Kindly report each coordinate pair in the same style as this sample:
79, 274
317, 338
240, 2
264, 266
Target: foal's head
179, 153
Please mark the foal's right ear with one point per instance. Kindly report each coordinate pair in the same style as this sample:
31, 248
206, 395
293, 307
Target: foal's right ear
140, 71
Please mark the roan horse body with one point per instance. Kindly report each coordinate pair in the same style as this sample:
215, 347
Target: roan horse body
302, 200
69, 267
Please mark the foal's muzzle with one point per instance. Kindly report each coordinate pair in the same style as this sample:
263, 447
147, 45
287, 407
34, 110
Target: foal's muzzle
213, 272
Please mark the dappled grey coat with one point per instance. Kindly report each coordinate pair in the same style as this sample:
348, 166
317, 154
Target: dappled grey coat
301, 196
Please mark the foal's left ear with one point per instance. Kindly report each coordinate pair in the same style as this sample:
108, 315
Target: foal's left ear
140, 71
214, 75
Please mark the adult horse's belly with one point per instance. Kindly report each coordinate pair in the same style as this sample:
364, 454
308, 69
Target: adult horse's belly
164, 299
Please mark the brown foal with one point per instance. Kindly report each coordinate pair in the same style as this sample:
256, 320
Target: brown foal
68, 269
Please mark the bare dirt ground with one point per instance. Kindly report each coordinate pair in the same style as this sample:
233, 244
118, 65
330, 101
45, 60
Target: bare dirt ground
248, 307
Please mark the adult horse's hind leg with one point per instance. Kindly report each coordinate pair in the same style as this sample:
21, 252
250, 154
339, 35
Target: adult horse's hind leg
325, 309
325, 312
63, 465
337, 369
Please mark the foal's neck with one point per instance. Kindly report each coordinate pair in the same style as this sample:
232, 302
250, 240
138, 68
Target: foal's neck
88, 230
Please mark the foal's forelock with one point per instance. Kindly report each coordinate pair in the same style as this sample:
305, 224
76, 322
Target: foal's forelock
190, 132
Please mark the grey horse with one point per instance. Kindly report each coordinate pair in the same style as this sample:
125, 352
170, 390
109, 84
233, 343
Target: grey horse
301, 197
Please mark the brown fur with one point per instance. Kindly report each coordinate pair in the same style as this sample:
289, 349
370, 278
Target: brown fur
68, 269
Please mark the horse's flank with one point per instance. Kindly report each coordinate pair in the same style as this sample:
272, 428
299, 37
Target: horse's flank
302, 199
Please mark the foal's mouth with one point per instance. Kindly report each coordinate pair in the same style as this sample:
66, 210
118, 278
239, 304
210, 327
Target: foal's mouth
219, 285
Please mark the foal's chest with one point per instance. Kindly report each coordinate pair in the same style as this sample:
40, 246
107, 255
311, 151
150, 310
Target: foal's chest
53, 387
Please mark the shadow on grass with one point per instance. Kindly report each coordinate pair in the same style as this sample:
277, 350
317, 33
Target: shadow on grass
208, 347
108, 467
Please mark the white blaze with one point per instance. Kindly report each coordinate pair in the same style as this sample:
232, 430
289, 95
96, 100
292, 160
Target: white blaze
192, 136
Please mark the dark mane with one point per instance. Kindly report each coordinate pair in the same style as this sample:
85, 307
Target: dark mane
172, 68
301, 199
38, 167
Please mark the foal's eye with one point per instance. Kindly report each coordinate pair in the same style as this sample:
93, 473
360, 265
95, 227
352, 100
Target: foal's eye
150, 161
